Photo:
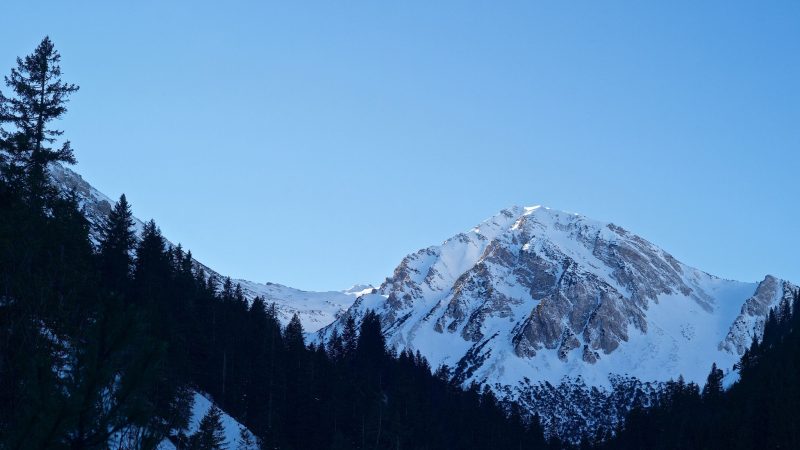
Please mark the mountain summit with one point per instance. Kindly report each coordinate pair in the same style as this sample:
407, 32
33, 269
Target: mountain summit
534, 295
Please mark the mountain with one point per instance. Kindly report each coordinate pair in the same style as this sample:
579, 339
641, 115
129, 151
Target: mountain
574, 319
315, 309
535, 297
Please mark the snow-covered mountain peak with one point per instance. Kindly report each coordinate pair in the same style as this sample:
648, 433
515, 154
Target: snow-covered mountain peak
359, 289
536, 294
315, 309
538, 304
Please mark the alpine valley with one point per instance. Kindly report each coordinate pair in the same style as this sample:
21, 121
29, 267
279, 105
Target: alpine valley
576, 320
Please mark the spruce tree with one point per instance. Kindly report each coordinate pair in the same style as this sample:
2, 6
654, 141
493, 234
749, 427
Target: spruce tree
293, 335
38, 97
152, 263
335, 346
227, 290
118, 240
246, 440
210, 435
238, 294
371, 344
349, 336
713, 388
771, 329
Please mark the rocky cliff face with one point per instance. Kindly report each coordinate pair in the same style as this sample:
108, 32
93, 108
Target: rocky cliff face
749, 324
535, 295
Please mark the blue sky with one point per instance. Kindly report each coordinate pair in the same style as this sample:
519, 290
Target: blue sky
316, 144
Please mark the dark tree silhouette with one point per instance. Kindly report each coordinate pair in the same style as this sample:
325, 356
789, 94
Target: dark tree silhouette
210, 435
38, 97
118, 243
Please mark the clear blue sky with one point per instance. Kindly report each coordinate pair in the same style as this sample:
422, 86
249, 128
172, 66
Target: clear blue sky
316, 144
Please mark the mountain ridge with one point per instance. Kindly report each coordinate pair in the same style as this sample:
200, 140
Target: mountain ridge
534, 298
538, 304
466, 264
315, 309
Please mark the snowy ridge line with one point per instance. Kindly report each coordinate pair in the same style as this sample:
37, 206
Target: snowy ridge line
315, 309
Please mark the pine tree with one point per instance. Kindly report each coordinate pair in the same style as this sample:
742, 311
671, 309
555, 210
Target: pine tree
349, 336
118, 240
152, 262
187, 264
784, 311
371, 344
293, 335
246, 440
771, 329
227, 290
210, 435
238, 295
335, 346
713, 388
39, 97
212, 284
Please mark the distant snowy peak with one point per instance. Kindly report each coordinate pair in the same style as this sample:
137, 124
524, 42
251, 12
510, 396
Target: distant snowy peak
574, 277
535, 294
315, 309
359, 289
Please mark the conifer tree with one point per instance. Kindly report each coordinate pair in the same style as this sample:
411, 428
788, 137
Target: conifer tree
713, 388
210, 435
238, 294
335, 346
246, 440
293, 335
784, 311
227, 290
371, 344
771, 329
152, 269
38, 97
118, 240
212, 284
349, 336
187, 264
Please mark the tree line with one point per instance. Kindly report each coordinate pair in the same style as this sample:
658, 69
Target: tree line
759, 411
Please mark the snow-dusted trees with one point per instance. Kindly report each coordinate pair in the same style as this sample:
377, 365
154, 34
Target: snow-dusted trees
210, 435
246, 440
